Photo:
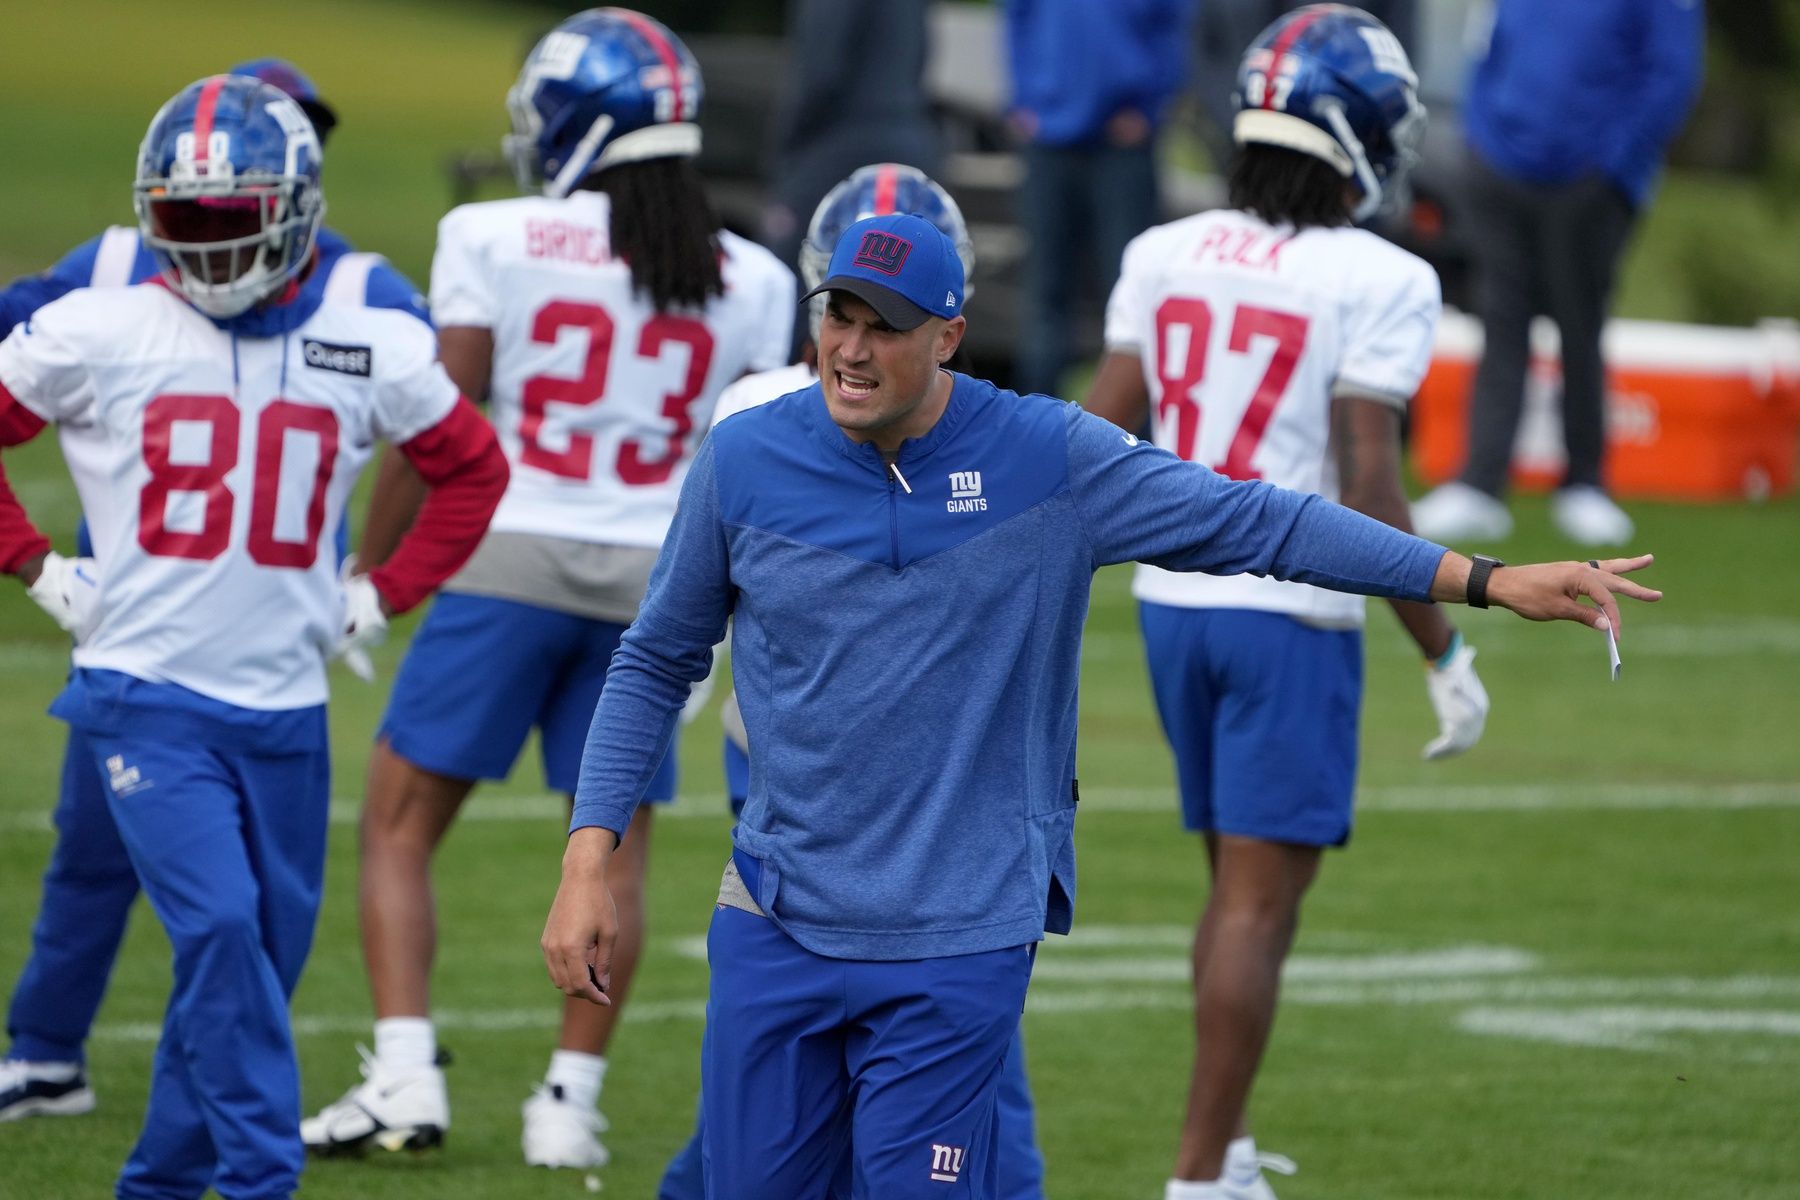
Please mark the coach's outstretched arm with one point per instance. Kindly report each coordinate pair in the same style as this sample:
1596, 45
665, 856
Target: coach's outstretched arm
1138, 502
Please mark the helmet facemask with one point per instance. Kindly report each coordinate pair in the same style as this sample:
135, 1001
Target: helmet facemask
228, 240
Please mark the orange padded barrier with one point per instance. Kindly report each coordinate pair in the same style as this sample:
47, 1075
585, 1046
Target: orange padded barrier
1694, 412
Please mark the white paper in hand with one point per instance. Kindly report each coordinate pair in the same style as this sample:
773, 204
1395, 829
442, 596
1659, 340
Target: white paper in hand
1612, 651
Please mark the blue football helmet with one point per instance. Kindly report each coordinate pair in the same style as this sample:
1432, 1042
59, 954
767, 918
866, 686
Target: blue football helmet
227, 192
606, 86
1331, 81
875, 191
282, 74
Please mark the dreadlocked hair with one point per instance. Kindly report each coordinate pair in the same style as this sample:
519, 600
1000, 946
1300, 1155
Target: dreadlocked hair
1286, 187
664, 228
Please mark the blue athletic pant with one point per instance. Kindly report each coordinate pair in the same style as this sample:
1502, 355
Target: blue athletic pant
897, 1064
230, 848
88, 890
1021, 1164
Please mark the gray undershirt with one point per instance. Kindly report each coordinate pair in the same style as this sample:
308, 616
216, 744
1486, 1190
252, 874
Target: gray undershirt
588, 579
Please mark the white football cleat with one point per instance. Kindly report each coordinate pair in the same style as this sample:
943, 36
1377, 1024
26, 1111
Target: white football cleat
391, 1110
1242, 1180
1587, 516
1457, 512
43, 1089
560, 1133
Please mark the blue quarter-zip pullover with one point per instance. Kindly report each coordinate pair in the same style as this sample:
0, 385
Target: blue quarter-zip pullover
907, 661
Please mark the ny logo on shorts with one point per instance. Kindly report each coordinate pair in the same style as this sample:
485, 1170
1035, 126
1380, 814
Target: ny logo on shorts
946, 1163
882, 252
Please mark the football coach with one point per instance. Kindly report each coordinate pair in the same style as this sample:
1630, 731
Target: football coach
907, 555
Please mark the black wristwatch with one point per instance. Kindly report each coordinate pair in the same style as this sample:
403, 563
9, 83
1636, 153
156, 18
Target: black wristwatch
1481, 566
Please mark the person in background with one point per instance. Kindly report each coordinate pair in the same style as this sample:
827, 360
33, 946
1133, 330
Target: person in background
854, 94
1569, 110
1276, 341
1092, 81
600, 319
89, 885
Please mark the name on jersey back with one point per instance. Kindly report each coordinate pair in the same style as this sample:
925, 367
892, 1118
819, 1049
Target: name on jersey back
566, 241
1257, 249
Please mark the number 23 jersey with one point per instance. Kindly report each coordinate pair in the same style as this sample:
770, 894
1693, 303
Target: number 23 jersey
598, 400
1246, 331
212, 469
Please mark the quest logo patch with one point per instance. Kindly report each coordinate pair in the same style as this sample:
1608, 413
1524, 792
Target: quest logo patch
346, 360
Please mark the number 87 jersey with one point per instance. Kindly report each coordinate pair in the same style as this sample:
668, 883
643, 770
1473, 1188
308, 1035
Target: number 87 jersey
598, 399
1246, 332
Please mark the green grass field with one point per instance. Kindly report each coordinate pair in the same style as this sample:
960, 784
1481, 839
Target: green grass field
1565, 966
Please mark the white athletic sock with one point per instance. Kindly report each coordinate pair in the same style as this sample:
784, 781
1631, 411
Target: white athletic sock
53, 1072
1189, 1189
1240, 1158
405, 1043
579, 1075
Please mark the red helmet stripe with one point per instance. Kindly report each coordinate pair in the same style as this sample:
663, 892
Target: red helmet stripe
887, 183
203, 114
1283, 44
671, 61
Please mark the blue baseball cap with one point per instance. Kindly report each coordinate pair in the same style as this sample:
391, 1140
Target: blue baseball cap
284, 76
901, 265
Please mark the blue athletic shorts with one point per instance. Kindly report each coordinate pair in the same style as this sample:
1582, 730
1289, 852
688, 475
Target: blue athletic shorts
1261, 712
482, 671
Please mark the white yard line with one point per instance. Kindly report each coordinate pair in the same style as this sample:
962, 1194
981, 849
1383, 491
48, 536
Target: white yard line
1055, 966
1624, 1028
1645, 637
1526, 797
1511, 1008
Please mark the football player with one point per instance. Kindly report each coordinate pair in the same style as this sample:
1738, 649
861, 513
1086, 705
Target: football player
1274, 340
871, 191
89, 886
600, 319
215, 421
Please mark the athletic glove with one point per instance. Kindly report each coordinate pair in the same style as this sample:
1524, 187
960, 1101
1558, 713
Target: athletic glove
69, 590
365, 624
1458, 698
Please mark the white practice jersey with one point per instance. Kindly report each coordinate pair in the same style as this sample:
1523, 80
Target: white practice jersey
1246, 331
214, 470
599, 401
752, 391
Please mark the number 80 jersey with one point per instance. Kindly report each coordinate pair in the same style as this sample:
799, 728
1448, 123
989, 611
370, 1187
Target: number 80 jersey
598, 400
1246, 331
213, 469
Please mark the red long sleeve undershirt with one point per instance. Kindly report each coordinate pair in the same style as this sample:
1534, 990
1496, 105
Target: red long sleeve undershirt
20, 540
458, 457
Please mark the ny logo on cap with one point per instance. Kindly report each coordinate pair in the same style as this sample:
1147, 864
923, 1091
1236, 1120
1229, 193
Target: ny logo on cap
882, 252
